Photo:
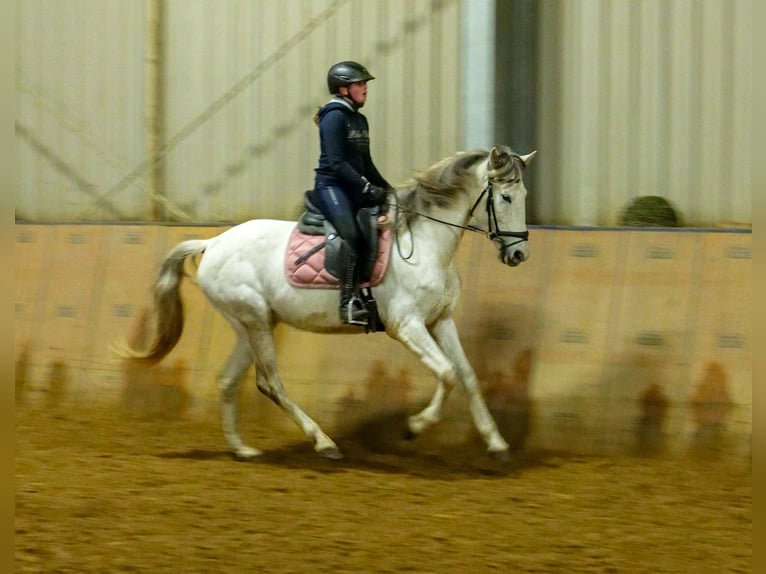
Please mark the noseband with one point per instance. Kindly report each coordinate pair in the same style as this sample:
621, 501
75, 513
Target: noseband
493, 230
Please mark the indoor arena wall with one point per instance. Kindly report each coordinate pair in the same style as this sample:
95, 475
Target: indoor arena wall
605, 340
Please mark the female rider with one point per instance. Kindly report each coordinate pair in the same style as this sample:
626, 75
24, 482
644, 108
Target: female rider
346, 178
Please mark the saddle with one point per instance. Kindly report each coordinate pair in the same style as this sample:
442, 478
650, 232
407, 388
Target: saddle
314, 253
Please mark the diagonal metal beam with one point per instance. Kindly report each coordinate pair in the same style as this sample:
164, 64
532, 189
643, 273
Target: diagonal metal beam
65, 169
220, 103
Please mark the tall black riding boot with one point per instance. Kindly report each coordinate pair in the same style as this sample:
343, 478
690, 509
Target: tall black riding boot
352, 309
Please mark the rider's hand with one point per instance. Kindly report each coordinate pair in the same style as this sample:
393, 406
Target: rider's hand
374, 195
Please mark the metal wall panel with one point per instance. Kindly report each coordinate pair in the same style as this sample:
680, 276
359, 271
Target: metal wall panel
256, 156
635, 98
645, 98
80, 107
240, 81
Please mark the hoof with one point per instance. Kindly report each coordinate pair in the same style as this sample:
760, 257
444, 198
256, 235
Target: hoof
331, 452
247, 453
501, 456
409, 435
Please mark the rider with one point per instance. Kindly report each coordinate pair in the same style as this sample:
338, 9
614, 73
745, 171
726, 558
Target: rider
346, 178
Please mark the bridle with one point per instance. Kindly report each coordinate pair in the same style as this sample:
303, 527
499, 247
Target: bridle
493, 231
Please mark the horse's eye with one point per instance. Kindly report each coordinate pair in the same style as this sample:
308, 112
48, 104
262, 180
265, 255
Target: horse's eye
506, 197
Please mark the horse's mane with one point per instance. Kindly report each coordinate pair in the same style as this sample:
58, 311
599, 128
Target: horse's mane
441, 184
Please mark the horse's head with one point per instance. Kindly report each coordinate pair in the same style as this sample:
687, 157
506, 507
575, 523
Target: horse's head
506, 217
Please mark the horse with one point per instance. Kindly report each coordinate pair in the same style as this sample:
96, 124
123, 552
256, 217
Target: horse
241, 273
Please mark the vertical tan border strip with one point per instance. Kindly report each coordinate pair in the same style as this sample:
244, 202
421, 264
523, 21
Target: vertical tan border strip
32, 258
75, 260
129, 262
722, 360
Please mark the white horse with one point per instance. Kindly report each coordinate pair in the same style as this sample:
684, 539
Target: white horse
242, 274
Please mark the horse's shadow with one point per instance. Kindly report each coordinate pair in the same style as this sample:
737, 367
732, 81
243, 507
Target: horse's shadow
443, 465
379, 445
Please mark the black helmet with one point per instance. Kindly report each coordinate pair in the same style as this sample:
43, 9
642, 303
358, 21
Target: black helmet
345, 74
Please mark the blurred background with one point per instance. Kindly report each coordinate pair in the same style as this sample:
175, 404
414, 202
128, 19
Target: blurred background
144, 122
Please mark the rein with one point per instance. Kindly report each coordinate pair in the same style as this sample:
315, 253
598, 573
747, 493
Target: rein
493, 230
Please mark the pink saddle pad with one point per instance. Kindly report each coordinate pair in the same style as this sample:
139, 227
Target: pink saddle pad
311, 272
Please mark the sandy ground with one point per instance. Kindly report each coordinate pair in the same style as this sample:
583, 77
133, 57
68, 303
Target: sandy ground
103, 491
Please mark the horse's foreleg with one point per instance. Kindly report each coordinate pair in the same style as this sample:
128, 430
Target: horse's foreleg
430, 415
270, 384
446, 335
239, 361
417, 339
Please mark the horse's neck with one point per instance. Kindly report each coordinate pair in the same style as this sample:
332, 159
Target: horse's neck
445, 230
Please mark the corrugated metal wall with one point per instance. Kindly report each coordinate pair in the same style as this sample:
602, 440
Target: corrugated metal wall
241, 82
80, 107
649, 97
258, 154
634, 98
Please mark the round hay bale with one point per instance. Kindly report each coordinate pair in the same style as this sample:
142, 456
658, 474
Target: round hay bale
649, 211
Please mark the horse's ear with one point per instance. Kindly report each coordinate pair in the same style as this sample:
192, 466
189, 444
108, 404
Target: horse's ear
498, 158
527, 158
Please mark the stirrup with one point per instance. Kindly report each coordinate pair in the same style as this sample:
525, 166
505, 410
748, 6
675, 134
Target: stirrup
354, 312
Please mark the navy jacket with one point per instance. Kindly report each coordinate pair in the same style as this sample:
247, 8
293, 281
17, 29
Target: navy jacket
344, 157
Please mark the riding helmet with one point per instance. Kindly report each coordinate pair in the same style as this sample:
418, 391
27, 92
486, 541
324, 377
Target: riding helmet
345, 74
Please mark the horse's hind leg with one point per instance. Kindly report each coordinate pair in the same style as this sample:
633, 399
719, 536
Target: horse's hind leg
270, 384
239, 362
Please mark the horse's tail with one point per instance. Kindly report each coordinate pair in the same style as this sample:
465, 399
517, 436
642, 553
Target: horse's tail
167, 305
